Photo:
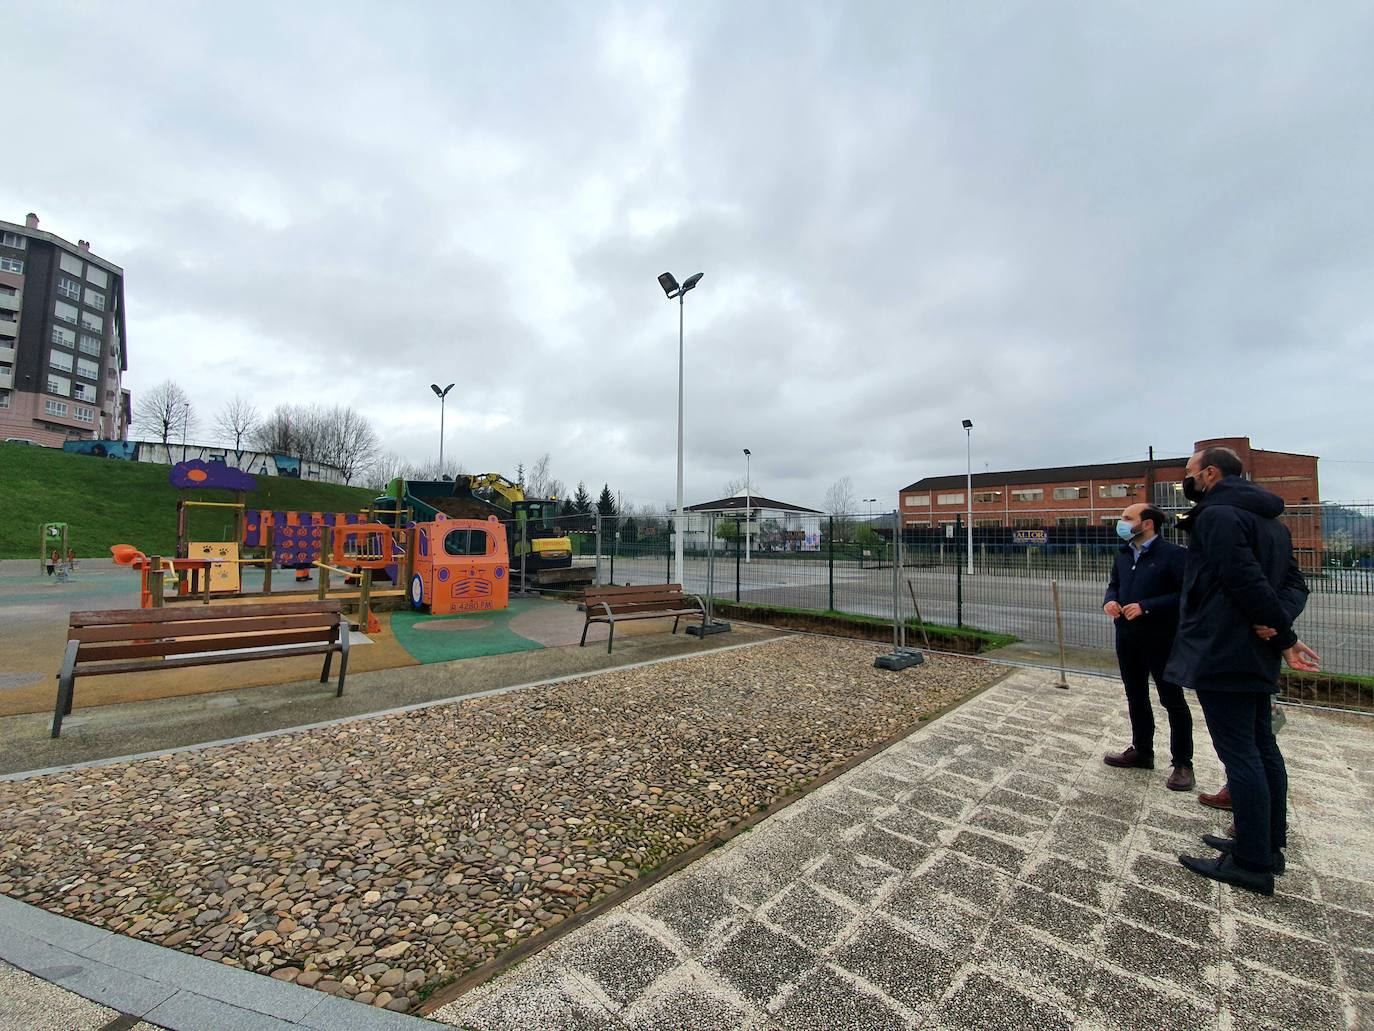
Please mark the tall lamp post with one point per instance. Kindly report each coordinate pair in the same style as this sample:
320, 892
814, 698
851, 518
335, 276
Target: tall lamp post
968, 432
869, 503
673, 290
185, 420
441, 395
748, 503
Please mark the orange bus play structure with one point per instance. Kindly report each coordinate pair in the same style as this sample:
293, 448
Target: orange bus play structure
461, 565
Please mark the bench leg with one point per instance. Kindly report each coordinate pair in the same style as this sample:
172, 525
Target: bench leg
324, 673
343, 656
611, 639
66, 683
675, 619
584, 633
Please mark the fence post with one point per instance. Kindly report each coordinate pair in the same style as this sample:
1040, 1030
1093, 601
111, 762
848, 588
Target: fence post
959, 576
615, 544
736, 560
830, 607
156, 585
668, 560
267, 567
1059, 627
596, 576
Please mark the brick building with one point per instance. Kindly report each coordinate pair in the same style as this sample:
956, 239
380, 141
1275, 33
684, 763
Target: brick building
1094, 495
62, 339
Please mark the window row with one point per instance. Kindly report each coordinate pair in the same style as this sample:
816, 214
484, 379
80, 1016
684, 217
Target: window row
4, 398
69, 313
14, 240
15, 265
63, 362
61, 409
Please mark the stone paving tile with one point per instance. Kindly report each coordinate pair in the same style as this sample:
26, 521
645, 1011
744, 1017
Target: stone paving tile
825, 1000
1043, 894
622, 961
550, 999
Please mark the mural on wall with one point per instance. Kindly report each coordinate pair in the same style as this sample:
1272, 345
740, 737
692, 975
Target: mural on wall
121, 449
262, 463
210, 474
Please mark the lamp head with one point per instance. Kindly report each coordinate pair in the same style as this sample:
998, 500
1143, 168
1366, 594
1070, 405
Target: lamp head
669, 285
692, 281
440, 394
747, 451
968, 424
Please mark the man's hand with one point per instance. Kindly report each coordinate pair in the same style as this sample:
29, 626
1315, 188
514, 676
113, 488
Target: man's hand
1112, 609
1302, 658
1264, 632
1132, 611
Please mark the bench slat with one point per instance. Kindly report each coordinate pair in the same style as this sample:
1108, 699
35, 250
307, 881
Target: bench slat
140, 631
187, 613
628, 592
114, 652
97, 669
644, 606
655, 614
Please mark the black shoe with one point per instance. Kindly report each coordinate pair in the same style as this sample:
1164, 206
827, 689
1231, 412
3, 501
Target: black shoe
1224, 869
1129, 759
1226, 845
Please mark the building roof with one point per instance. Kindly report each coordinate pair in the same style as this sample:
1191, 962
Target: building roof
1057, 474
67, 245
755, 501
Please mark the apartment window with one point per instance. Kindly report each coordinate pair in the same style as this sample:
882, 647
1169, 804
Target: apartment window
1073, 521
987, 496
14, 240
60, 360
15, 265
83, 414
83, 392
58, 408
70, 263
92, 322
69, 288
86, 368
63, 337
919, 523
89, 345
59, 384
95, 300
64, 311
951, 499
1107, 520
4, 398
987, 522
1037, 494
917, 500
1028, 524
1070, 493
97, 276
1113, 490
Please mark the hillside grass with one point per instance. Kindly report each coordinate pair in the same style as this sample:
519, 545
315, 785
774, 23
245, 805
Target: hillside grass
105, 501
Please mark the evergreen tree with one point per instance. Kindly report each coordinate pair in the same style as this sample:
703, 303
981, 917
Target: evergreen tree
582, 501
605, 504
567, 508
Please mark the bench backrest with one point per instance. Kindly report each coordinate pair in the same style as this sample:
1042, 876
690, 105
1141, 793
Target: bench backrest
115, 634
595, 595
647, 598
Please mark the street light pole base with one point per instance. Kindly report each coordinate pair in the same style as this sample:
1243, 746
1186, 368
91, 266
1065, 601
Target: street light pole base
717, 627
899, 660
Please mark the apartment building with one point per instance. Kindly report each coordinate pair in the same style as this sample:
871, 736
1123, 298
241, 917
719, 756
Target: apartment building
62, 339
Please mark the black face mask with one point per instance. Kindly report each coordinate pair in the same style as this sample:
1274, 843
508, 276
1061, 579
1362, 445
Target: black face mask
1191, 490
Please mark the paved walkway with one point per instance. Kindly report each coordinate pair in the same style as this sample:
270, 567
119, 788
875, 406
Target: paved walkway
990, 872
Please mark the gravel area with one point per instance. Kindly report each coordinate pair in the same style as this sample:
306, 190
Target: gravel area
379, 858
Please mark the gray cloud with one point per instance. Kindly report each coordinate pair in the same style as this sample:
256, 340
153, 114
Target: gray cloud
1089, 229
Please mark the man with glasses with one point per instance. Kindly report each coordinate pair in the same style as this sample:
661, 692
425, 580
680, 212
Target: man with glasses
1242, 590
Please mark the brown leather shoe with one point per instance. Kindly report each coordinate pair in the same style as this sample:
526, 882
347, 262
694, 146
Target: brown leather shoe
1129, 759
1181, 779
1220, 800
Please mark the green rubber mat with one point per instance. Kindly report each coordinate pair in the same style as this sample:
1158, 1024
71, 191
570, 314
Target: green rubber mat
446, 638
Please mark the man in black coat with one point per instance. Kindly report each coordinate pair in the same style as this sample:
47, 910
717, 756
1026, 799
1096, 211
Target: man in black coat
1242, 590
1142, 598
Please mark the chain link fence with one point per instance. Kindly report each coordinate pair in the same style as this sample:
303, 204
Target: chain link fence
844, 564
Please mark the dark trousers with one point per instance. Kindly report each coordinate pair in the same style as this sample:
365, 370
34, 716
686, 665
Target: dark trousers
1241, 725
1139, 660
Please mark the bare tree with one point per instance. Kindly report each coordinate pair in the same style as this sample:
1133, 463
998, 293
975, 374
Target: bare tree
840, 502
732, 487
386, 467
165, 413
346, 440
539, 477
275, 434
237, 420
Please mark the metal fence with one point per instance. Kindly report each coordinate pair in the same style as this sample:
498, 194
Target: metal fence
848, 567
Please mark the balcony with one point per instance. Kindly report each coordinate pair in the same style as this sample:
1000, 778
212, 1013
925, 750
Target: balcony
6, 379
11, 302
8, 327
7, 353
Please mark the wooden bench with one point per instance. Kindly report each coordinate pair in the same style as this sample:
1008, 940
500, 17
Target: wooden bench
652, 601
142, 640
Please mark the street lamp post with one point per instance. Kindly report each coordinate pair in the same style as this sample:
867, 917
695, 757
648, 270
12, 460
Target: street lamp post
968, 432
185, 418
869, 502
673, 290
748, 503
441, 395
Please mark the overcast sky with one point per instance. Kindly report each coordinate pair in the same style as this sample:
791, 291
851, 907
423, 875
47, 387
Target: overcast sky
1087, 227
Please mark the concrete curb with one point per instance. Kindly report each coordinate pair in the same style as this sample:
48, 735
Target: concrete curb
151, 982
201, 746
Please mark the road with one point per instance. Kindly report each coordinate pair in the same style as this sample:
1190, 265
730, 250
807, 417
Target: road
1339, 626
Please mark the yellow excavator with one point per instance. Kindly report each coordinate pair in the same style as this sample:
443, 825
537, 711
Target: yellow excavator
536, 542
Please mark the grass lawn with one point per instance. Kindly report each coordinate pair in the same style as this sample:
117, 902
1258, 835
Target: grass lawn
106, 501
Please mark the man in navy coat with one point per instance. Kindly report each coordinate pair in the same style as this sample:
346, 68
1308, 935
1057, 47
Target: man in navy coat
1142, 598
1241, 593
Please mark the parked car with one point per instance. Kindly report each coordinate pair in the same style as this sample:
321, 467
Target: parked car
22, 440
